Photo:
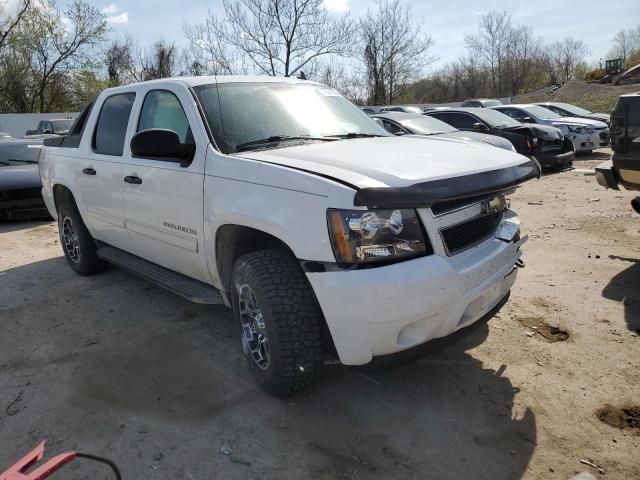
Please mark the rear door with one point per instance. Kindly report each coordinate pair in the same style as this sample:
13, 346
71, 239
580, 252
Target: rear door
164, 205
99, 173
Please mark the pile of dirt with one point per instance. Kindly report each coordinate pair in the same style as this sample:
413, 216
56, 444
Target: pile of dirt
542, 328
625, 417
592, 96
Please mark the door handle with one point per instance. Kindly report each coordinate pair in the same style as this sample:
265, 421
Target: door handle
89, 171
133, 179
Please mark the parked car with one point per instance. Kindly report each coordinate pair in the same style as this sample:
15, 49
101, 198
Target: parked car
481, 102
568, 110
400, 123
20, 186
624, 167
56, 126
585, 134
402, 108
280, 198
368, 111
547, 144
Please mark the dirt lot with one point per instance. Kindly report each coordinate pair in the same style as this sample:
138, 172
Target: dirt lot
114, 366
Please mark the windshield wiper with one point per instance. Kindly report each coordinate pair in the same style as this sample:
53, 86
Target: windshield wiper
356, 135
277, 139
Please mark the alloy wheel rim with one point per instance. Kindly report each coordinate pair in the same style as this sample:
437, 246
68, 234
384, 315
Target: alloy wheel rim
254, 334
70, 240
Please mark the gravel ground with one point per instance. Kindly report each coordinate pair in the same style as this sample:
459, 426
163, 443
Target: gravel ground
114, 366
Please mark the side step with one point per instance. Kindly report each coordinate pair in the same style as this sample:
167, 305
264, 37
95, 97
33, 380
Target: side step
175, 282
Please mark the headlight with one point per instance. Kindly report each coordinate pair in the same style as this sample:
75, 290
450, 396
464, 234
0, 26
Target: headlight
365, 236
580, 129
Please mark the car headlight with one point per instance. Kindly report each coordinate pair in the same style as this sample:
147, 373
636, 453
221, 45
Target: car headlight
580, 129
365, 236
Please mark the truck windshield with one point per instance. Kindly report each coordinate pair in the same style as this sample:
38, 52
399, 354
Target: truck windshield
266, 115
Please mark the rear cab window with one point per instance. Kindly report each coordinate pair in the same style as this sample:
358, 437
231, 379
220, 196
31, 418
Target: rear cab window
111, 127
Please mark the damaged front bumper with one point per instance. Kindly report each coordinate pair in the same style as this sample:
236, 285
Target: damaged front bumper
380, 311
556, 158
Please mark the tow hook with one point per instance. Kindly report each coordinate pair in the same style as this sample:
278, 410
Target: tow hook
520, 263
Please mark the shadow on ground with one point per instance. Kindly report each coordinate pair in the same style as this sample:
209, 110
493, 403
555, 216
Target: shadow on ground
118, 367
14, 226
625, 288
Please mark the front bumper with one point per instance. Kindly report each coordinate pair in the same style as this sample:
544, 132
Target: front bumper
555, 158
585, 142
384, 310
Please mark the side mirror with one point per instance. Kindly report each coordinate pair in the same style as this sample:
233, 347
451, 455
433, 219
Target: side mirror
162, 144
480, 126
527, 120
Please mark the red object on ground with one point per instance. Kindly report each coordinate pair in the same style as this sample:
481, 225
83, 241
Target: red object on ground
16, 472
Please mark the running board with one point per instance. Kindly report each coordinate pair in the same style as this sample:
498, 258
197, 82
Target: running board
189, 288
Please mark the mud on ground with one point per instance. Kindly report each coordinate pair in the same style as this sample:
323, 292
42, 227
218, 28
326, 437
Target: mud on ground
114, 366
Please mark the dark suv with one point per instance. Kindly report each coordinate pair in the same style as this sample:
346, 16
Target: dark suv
624, 167
547, 144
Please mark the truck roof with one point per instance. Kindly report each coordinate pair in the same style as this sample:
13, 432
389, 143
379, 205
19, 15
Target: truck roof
209, 79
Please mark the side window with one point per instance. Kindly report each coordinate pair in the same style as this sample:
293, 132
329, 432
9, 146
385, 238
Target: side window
458, 120
108, 137
162, 109
515, 114
392, 127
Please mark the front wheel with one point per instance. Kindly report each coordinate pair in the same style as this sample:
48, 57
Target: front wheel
280, 321
77, 243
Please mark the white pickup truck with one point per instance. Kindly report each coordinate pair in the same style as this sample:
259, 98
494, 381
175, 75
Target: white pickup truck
281, 199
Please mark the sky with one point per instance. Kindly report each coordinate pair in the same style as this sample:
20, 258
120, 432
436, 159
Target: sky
593, 21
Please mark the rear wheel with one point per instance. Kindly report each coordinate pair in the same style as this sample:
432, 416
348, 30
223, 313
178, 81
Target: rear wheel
77, 243
280, 321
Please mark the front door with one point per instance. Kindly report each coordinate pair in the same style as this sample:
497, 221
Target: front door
164, 199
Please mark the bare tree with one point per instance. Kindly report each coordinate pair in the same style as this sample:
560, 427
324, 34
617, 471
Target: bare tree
347, 81
119, 61
491, 44
276, 37
208, 53
395, 50
56, 42
525, 61
625, 42
566, 55
9, 22
158, 62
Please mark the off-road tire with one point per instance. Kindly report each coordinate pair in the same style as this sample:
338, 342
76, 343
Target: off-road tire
292, 318
88, 262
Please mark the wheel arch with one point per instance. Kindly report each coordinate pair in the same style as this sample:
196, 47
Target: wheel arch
232, 241
62, 193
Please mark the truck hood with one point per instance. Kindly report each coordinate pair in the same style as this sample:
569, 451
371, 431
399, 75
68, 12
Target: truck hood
390, 161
